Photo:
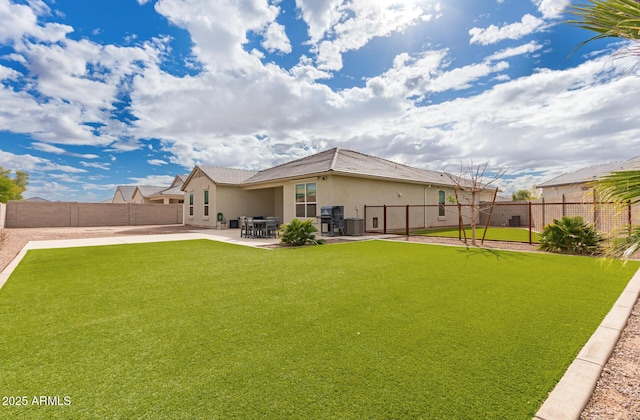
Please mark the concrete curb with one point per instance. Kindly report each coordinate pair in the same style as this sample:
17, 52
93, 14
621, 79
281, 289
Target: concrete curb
571, 395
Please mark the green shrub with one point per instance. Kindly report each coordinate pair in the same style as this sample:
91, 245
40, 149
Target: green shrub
298, 233
571, 235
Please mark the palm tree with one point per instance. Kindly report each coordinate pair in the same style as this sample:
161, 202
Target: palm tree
609, 18
615, 19
623, 189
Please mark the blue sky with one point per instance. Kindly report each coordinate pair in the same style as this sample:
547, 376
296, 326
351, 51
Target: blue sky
96, 94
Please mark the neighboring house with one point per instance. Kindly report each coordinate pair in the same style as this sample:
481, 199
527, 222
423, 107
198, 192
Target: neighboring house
124, 194
298, 189
576, 186
152, 194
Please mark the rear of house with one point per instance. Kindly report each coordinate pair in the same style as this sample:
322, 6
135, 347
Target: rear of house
336, 177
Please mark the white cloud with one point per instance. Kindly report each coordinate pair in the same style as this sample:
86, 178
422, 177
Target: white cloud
30, 163
95, 165
158, 180
7, 73
156, 162
552, 9
349, 26
275, 39
527, 48
49, 148
219, 29
77, 83
494, 34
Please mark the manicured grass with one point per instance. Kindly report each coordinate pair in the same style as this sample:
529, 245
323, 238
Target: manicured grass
199, 329
493, 233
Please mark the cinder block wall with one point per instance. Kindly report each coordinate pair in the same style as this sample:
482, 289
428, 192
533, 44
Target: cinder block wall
24, 214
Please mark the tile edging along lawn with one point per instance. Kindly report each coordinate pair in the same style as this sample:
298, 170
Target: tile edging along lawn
571, 394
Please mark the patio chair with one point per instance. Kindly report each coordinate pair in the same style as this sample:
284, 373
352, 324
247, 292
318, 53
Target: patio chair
272, 227
250, 231
243, 226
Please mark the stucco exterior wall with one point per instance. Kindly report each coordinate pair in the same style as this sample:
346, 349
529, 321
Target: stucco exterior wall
118, 198
577, 193
234, 202
354, 193
138, 198
231, 201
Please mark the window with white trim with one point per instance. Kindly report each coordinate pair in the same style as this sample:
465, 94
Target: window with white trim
206, 203
190, 203
441, 201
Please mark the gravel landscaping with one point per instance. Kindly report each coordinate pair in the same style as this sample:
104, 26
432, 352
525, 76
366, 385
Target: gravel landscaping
617, 395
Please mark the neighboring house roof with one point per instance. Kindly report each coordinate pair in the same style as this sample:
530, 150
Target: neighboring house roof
591, 173
342, 161
149, 190
179, 180
126, 191
220, 175
172, 191
37, 200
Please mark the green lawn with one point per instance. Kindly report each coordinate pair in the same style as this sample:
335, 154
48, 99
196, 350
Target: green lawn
379, 330
493, 233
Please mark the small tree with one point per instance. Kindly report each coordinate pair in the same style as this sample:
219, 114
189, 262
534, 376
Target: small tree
523, 195
12, 188
470, 184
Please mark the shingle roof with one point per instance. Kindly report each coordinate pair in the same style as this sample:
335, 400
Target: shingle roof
149, 190
221, 175
344, 161
172, 191
227, 175
591, 173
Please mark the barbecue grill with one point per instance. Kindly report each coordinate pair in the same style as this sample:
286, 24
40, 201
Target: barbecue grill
331, 220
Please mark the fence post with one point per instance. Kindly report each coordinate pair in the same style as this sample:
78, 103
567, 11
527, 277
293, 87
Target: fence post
407, 220
595, 209
365, 218
530, 224
384, 217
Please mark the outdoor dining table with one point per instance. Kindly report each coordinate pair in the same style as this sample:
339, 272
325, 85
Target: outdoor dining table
259, 228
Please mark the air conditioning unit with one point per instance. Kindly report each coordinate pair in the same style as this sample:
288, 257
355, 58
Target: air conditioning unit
353, 227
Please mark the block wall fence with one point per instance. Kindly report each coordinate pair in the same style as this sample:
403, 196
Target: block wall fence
25, 214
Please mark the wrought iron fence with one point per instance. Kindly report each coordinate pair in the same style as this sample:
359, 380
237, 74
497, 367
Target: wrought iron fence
506, 221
